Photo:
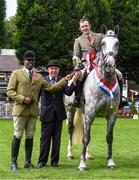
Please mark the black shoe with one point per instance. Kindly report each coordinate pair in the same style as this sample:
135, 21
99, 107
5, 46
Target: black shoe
77, 102
14, 166
40, 165
29, 165
54, 164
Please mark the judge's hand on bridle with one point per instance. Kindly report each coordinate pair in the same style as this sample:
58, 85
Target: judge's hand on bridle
77, 75
69, 76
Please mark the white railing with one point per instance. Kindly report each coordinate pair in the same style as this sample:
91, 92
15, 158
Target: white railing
6, 110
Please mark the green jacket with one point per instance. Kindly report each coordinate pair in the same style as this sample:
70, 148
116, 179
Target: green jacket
20, 86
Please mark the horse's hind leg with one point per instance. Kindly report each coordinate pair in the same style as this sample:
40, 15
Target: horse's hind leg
86, 140
70, 117
88, 155
109, 138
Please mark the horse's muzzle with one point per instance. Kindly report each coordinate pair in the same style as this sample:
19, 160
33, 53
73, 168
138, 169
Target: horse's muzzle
110, 64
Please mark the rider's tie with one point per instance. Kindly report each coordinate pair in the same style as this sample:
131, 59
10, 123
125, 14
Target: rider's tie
89, 39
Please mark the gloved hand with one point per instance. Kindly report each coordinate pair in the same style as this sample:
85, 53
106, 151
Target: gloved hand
80, 66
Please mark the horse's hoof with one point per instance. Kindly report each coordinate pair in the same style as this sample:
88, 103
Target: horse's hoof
112, 167
70, 158
81, 168
111, 164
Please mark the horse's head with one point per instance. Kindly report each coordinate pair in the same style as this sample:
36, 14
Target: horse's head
109, 47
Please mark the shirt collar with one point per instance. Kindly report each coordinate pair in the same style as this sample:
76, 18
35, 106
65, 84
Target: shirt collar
27, 71
90, 34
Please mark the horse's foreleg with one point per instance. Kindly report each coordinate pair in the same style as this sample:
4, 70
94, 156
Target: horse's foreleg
70, 117
88, 155
109, 138
86, 139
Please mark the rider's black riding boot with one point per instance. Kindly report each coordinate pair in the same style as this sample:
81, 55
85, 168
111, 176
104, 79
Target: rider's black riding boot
14, 153
28, 153
78, 93
121, 87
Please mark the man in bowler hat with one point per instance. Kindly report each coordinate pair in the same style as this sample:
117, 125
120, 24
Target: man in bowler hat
24, 88
52, 115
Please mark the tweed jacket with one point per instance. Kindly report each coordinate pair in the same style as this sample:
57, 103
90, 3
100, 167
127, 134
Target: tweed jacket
20, 86
82, 45
54, 102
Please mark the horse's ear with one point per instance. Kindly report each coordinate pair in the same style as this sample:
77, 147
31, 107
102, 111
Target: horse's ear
103, 29
116, 29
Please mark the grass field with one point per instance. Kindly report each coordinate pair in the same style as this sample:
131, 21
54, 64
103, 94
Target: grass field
125, 154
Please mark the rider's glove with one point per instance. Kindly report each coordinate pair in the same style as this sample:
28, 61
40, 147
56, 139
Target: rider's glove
80, 66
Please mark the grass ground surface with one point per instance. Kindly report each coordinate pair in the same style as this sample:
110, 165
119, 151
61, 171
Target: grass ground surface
125, 154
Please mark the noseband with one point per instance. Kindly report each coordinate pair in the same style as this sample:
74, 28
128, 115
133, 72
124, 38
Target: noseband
109, 54
105, 57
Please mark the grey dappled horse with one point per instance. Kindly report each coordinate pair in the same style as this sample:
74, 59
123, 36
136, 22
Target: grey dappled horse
101, 92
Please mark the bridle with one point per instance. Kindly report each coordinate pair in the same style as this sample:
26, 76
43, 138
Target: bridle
105, 57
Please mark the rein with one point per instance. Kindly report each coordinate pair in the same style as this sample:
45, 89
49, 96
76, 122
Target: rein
96, 64
104, 59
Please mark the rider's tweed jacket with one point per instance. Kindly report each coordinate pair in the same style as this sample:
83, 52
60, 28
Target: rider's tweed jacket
82, 45
20, 86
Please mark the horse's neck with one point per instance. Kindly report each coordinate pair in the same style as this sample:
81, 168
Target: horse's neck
108, 77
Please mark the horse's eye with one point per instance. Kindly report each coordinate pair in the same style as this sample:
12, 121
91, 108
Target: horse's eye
117, 43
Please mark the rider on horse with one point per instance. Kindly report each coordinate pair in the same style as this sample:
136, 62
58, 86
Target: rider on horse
85, 48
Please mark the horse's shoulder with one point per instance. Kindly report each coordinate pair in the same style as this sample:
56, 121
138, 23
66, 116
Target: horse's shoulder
90, 78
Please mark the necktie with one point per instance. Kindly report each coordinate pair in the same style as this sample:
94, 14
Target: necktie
30, 74
53, 81
89, 39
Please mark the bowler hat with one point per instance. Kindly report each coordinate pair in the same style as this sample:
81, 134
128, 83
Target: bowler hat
29, 55
53, 63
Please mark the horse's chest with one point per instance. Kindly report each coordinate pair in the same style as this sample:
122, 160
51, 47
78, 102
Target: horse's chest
103, 103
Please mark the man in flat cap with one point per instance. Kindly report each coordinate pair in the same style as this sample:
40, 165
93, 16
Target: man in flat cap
24, 88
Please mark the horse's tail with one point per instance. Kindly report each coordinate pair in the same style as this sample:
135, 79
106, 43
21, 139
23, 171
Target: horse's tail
78, 128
